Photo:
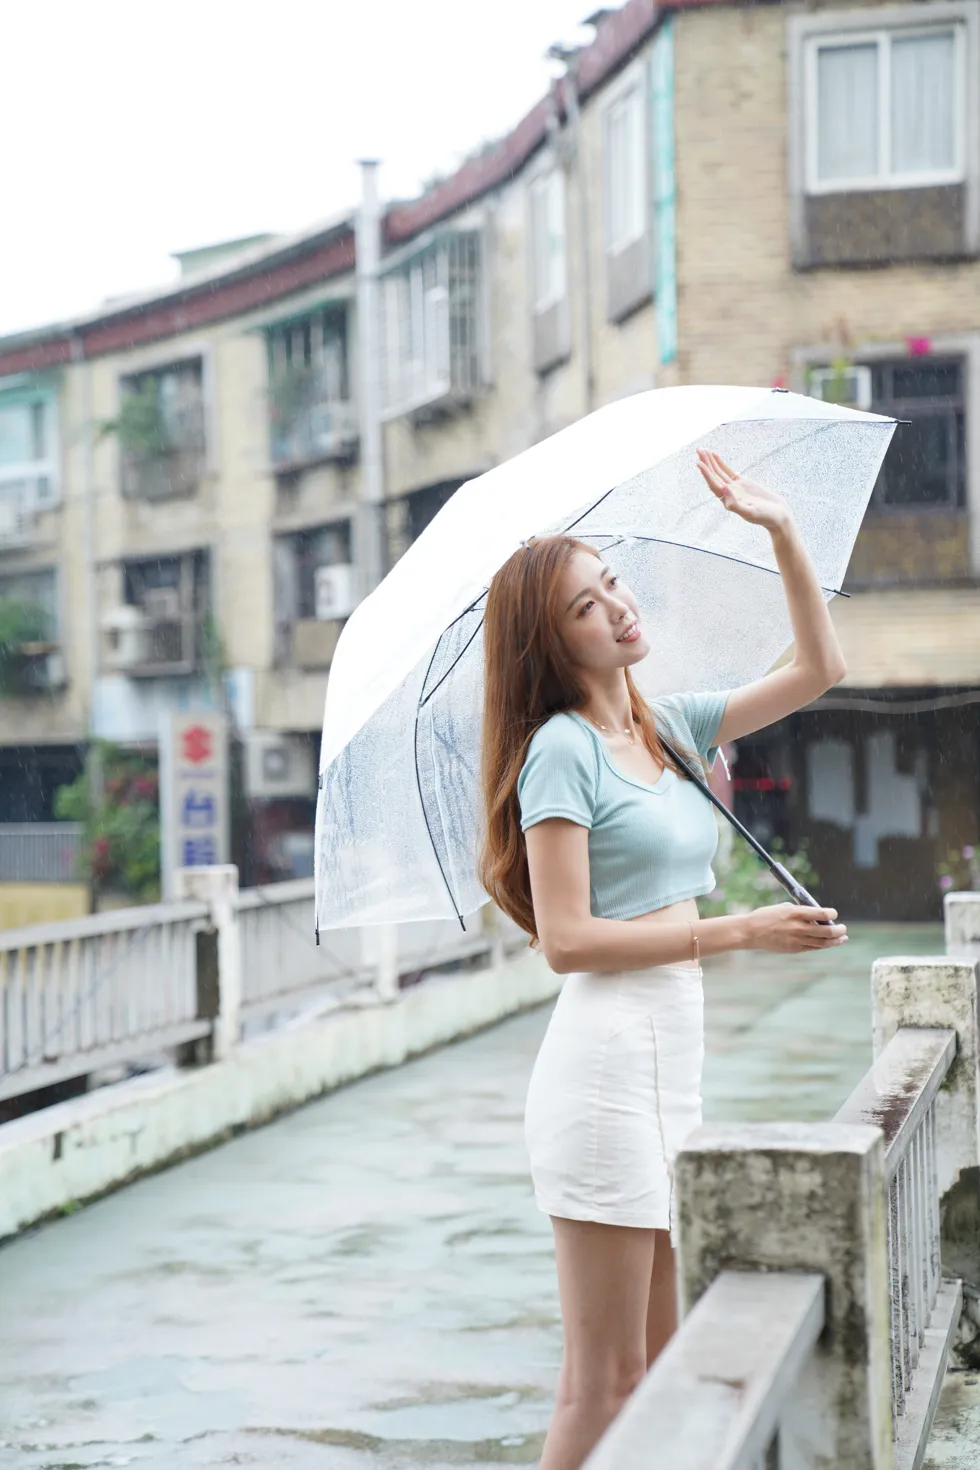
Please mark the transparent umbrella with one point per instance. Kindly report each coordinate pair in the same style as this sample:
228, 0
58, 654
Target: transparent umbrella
399, 810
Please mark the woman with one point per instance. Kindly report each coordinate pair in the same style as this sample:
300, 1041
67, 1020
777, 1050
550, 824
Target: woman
598, 846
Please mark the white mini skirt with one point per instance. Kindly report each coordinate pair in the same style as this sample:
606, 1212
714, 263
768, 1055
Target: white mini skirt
614, 1093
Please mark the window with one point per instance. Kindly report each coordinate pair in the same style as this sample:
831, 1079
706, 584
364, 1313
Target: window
311, 602
548, 240
161, 431
885, 109
30, 660
431, 325
28, 460
626, 171
310, 412
628, 195
172, 594
925, 466
29, 601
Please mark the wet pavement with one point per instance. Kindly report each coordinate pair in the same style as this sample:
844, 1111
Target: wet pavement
367, 1282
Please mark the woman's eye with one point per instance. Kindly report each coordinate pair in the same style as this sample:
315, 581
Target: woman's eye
613, 582
586, 607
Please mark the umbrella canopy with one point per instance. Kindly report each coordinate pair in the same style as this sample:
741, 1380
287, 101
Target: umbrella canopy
399, 809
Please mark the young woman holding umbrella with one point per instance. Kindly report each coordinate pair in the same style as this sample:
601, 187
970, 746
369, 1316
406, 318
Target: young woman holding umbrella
598, 845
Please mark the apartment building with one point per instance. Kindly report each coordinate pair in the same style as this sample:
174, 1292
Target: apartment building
711, 192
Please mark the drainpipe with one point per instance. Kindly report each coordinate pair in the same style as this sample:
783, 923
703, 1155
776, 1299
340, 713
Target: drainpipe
372, 539
569, 57
89, 554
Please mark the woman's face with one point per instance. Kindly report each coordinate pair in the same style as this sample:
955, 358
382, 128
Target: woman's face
598, 618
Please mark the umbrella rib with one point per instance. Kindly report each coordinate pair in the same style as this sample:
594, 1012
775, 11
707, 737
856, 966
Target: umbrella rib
702, 551
438, 685
425, 814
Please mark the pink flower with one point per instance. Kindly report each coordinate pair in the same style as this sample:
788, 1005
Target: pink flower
968, 852
945, 882
918, 346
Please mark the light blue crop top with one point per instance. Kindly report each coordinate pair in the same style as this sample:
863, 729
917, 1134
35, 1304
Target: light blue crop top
648, 845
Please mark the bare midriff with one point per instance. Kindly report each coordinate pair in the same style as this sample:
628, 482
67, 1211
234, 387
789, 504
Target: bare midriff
683, 912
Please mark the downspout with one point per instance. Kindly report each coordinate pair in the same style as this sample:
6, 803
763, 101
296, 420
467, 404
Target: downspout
93, 755
570, 80
372, 540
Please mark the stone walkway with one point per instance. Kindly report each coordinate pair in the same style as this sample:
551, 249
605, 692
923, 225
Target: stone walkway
366, 1282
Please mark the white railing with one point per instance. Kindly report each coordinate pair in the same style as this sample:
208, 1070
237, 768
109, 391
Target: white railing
39, 852
87, 993
819, 1322
899, 1096
117, 987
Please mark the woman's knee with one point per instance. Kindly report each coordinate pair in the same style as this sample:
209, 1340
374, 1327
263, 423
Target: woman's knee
597, 1379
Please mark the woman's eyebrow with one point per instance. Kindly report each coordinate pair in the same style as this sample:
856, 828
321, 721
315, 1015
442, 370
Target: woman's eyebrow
585, 590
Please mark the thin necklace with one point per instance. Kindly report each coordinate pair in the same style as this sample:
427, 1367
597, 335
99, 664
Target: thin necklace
629, 731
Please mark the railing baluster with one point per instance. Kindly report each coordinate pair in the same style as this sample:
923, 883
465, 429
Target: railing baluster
895, 1297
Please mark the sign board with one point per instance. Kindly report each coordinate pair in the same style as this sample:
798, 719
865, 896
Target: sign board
194, 797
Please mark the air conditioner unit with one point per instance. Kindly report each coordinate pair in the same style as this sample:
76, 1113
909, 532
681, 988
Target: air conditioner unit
125, 638
162, 604
334, 591
278, 765
849, 386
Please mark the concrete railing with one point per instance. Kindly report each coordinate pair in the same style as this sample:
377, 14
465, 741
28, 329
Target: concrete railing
115, 988
817, 1316
81, 994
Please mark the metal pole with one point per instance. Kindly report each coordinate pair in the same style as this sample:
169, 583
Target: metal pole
585, 254
96, 775
372, 540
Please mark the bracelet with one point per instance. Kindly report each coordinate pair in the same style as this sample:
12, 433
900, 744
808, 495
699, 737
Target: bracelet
694, 944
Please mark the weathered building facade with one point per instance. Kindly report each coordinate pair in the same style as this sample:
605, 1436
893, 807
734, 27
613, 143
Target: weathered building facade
712, 192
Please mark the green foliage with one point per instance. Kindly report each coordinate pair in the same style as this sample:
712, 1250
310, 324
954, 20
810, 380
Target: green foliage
959, 871
20, 623
122, 830
140, 427
745, 883
835, 387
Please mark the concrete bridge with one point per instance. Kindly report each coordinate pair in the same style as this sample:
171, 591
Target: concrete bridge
366, 1281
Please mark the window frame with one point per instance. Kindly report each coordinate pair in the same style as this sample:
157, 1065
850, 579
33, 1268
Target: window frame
30, 397
883, 37
433, 297
632, 94
897, 407
540, 205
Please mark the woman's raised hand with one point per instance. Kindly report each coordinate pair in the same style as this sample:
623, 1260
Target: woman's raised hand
792, 928
753, 502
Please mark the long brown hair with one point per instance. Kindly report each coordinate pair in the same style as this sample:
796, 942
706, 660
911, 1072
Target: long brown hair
528, 679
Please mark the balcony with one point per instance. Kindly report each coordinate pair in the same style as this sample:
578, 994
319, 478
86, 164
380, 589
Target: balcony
433, 329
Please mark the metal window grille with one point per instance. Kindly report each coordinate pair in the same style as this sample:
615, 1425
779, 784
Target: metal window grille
926, 465
431, 327
171, 456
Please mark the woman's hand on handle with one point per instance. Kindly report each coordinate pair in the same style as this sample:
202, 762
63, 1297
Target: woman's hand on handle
792, 928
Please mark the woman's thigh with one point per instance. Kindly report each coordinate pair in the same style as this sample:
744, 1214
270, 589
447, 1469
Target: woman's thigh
604, 1274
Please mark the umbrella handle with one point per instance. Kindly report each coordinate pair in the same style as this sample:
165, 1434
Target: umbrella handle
796, 889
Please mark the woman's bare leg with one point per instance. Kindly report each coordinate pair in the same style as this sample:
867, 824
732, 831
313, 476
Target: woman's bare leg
662, 1311
604, 1276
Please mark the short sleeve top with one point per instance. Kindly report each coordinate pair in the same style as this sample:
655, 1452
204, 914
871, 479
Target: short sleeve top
649, 846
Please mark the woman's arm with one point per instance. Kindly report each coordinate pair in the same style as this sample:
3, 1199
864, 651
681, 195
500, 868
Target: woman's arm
572, 939
818, 662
